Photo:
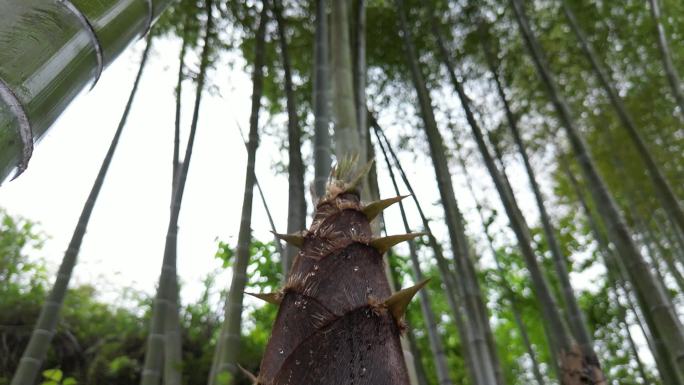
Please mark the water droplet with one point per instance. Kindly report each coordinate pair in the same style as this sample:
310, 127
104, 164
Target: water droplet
356, 268
315, 267
281, 351
297, 362
363, 371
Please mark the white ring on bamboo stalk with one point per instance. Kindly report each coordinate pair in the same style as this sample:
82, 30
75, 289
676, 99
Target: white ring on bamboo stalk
25, 132
150, 16
88, 27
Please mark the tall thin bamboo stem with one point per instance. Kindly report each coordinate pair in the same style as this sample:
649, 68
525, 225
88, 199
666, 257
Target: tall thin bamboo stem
559, 340
167, 292
173, 347
453, 287
321, 97
296, 208
434, 338
347, 134
231, 330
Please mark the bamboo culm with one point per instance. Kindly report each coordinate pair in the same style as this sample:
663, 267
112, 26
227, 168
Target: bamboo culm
434, 338
347, 136
168, 280
173, 348
296, 211
229, 339
453, 290
559, 340
321, 97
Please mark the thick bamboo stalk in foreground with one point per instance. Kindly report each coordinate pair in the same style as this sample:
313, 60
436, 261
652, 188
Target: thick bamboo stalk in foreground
49, 52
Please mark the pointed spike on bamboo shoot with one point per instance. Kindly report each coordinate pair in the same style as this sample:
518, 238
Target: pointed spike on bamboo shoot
385, 243
273, 298
399, 301
354, 183
296, 239
373, 209
252, 378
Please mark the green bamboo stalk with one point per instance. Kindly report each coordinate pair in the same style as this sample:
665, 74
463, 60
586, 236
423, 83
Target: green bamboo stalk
453, 286
166, 298
39, 343
434, 338
49, 51
173, 345
296, 208
674, 248
347, 137
226, 365
646, 379
321, 97
359, 72
663, 254
276, 240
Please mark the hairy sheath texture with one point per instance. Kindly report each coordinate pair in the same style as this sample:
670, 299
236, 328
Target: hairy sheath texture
333, 326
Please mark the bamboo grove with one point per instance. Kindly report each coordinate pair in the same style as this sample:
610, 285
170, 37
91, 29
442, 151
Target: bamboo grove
514, 166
